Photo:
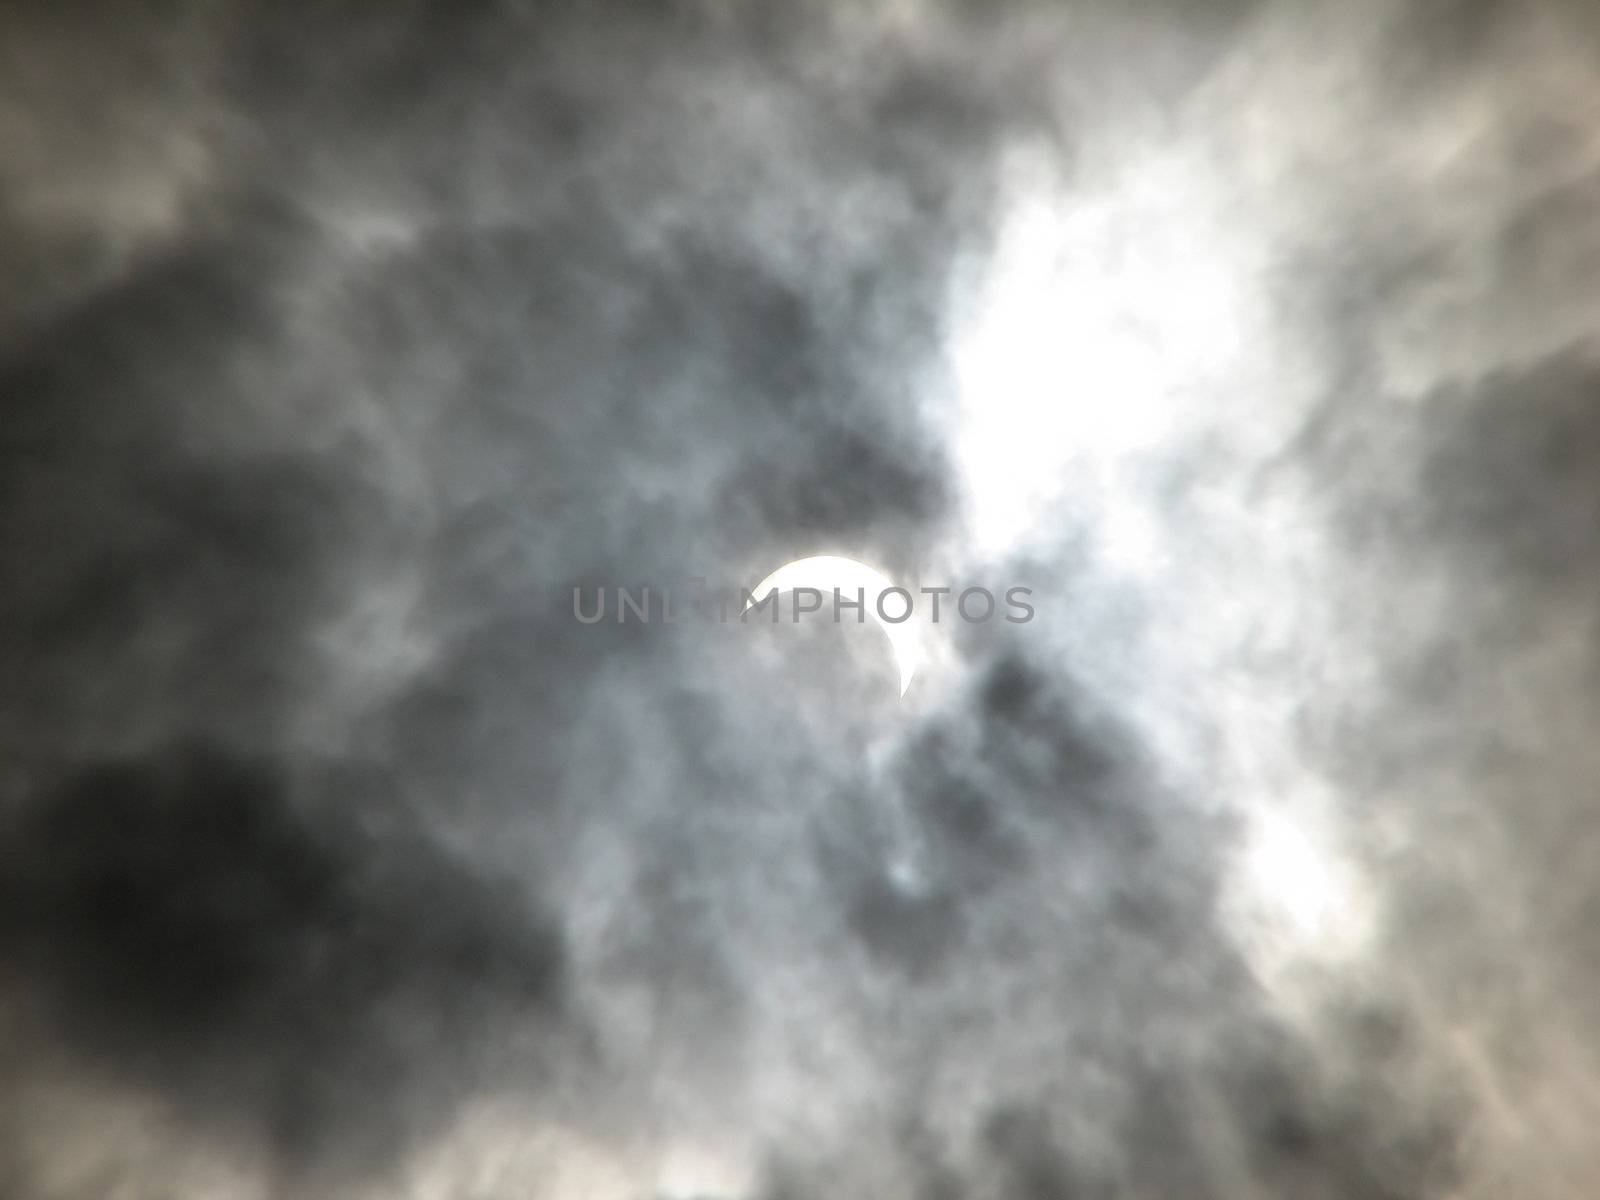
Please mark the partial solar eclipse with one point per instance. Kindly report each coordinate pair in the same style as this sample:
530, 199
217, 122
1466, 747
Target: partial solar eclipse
826, 572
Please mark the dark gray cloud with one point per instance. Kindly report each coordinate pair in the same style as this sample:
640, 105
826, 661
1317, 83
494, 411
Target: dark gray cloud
342, 343
181, 920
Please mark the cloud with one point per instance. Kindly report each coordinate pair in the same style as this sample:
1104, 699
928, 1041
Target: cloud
183, 923
339, 860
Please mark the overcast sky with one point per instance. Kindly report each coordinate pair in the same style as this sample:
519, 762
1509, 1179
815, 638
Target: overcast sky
340, 343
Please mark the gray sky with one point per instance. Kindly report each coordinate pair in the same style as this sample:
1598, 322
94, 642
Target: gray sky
338, 344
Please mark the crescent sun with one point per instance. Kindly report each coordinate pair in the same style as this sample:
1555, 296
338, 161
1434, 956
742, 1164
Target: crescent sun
824, 572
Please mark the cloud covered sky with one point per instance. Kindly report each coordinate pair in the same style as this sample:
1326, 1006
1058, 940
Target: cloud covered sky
339, 343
